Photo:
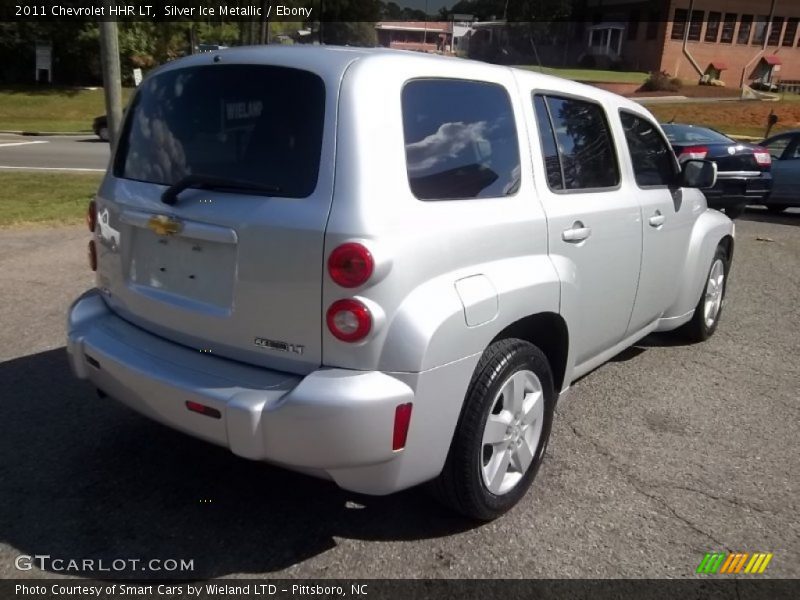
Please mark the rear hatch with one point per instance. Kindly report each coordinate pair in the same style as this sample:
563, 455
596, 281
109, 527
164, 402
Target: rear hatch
234, 267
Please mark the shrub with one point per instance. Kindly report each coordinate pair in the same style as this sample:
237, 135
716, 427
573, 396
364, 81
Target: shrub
661, 81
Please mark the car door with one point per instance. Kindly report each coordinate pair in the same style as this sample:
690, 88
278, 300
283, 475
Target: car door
594, 228
668, 213
785, 152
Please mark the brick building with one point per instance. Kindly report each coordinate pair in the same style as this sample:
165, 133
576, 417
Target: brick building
740, 41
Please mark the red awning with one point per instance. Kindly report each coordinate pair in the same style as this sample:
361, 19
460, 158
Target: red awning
719, 65
772, 60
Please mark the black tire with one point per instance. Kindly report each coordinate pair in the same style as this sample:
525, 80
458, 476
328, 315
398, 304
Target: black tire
776, 208
734, 212
461, 485
698, 329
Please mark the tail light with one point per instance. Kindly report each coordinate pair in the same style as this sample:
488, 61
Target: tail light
350, 265
402, 419
693, 153
762, 157
91, 216
92, 254
349, 320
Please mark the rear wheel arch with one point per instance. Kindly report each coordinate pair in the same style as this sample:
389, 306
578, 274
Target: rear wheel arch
548, 331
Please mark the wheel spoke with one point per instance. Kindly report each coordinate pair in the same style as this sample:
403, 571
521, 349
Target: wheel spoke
496, 429
522, 457
500, 463
534, 408
517, 383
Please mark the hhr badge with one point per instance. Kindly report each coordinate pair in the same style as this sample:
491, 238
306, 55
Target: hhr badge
282, 346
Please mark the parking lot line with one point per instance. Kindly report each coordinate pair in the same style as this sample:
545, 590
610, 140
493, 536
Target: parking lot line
5, 145
76, 169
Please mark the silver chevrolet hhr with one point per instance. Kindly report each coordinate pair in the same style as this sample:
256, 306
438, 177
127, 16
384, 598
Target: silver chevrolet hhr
384, 268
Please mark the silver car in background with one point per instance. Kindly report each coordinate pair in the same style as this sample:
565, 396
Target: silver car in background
384, 268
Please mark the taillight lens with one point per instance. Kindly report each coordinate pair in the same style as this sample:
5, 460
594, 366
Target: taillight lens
350, 265
762, 157
91, 216
349, 320
693, 153
92, 255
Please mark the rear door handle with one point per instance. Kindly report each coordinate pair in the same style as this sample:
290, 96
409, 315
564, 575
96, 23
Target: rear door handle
576, 233
657, 220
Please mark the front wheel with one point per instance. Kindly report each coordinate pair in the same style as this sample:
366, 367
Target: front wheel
709, 309
502, 432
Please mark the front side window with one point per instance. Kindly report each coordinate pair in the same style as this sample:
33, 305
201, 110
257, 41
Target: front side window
460, 139
586, 155
254, 123
652, 159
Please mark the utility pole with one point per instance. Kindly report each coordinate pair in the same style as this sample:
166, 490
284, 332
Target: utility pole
112, 82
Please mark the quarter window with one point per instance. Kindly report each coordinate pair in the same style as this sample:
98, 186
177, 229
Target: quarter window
583, 141
460, 140
652, 158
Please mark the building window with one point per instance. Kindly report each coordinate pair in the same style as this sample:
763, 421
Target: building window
696, 25
791, 31
744, 29
652, 28
728, 27
760, 30
633, 25
775, 31
712, 28
679, 23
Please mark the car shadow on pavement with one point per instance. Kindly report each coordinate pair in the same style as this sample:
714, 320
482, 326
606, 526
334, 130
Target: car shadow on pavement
85, 478
762, 215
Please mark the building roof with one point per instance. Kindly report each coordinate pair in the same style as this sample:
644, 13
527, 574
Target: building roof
440, 26
719, 65
772, 59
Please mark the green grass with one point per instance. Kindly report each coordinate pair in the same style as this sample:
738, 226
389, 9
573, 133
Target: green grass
47, 198
50, 108
591, 74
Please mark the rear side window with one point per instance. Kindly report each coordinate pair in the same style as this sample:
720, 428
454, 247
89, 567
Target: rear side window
586, 155
653, 160
255, 123
460, 140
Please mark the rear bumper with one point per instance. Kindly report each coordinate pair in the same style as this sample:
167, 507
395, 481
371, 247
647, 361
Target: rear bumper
334, 423
731, 190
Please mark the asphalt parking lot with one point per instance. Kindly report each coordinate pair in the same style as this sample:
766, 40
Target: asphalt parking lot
665, 453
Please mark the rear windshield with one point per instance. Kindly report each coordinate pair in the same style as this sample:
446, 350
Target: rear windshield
261, 124
682, 134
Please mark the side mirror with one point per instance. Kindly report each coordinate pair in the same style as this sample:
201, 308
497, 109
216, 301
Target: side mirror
698, 174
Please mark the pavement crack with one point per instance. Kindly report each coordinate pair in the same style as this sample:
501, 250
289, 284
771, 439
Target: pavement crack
640, 486
732, 501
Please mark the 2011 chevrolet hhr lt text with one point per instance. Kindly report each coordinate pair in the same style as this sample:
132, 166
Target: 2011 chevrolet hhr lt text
384, 268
